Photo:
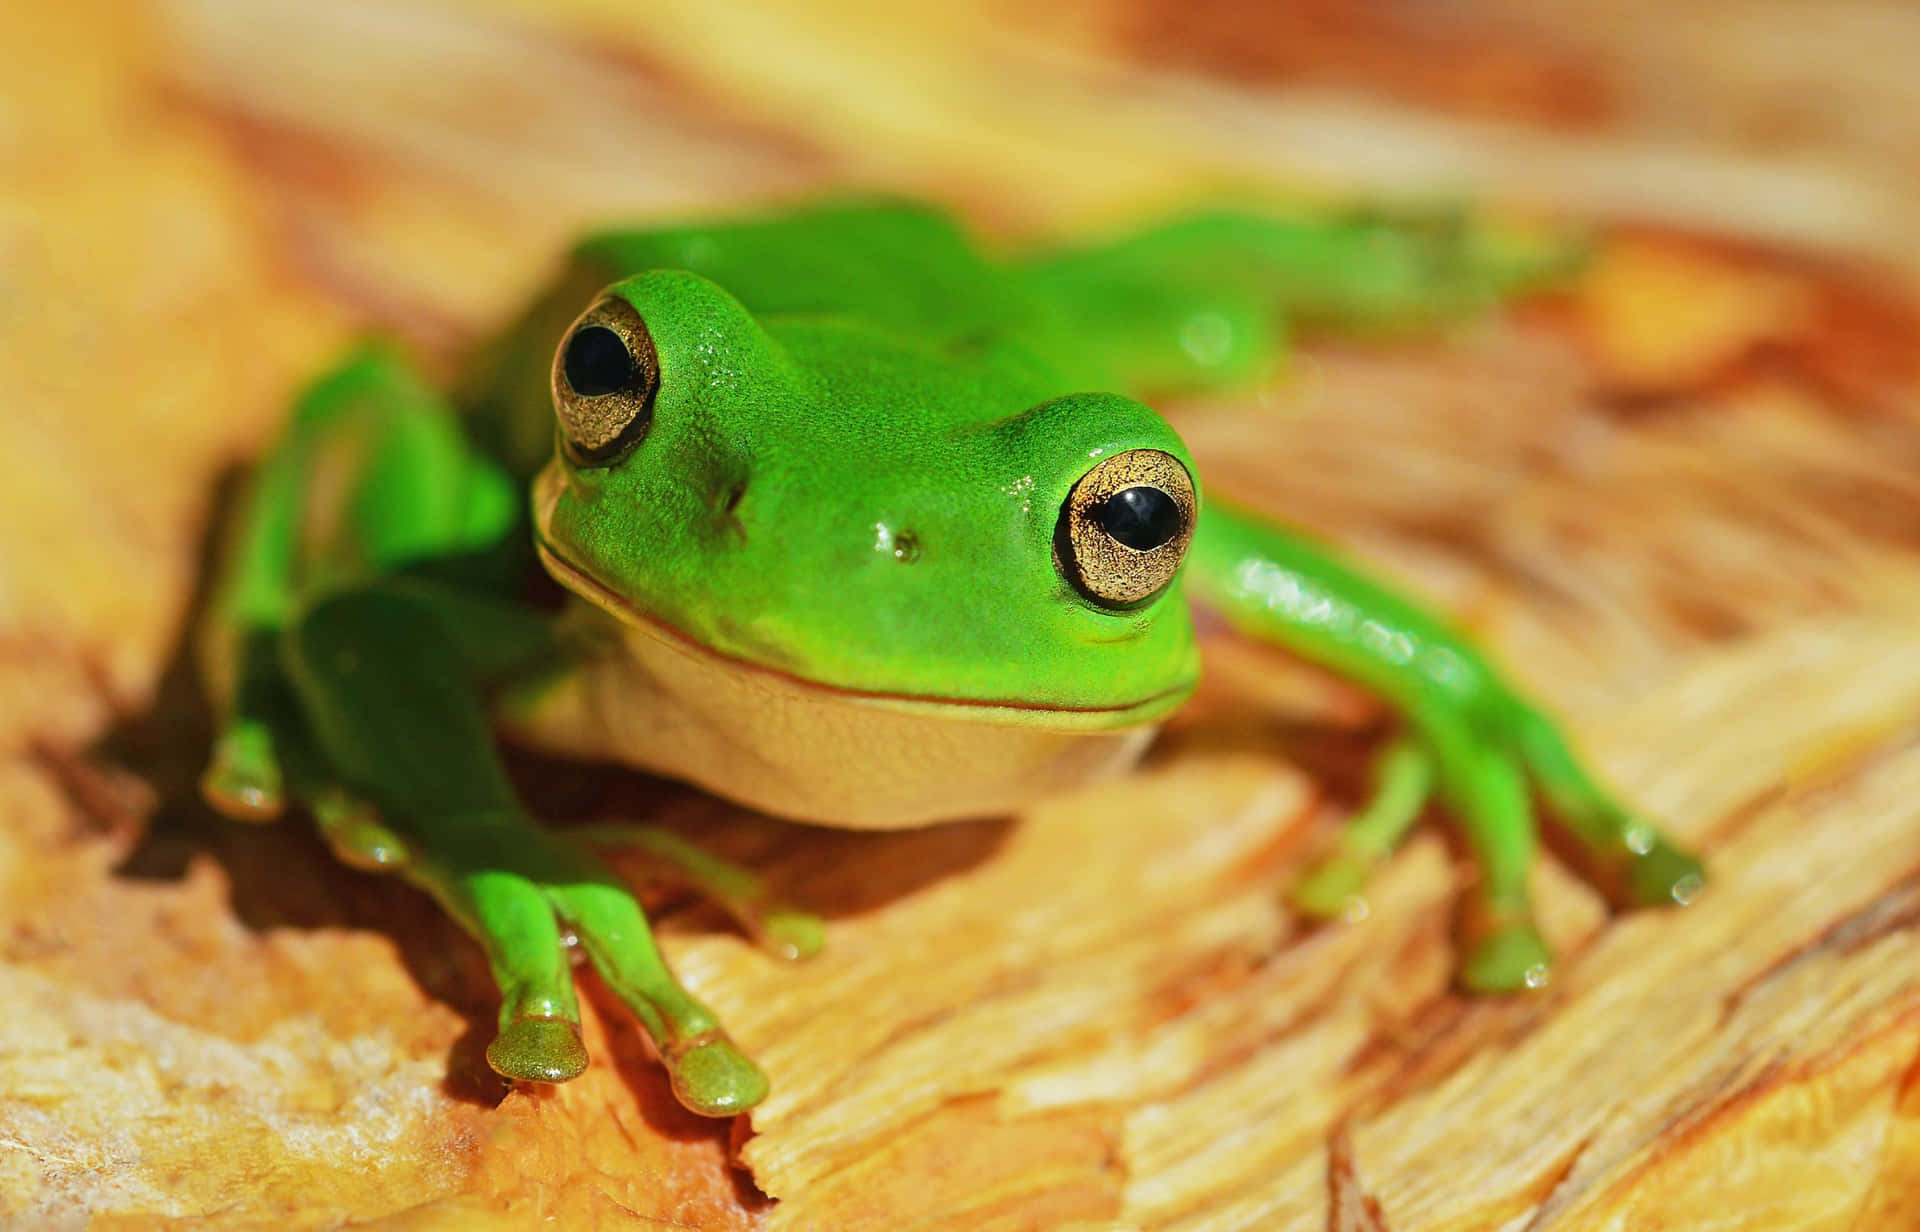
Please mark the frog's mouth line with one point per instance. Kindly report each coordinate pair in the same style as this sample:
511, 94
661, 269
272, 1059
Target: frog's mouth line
1087, 718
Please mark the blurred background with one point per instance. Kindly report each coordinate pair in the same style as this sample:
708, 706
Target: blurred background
1785, 120
1679, 497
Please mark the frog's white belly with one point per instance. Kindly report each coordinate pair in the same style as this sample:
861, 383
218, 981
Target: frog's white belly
812, 753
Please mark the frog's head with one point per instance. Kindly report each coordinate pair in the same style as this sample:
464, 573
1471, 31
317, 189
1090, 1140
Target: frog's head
826, 502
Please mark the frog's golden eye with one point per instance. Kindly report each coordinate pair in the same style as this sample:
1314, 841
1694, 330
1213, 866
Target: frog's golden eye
1125, 527
605, 375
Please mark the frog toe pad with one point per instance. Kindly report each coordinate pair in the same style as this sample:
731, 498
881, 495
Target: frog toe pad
1659, 874
243, 780
713, 1078
792, 935
1332, 889
1510, 958
538, 1050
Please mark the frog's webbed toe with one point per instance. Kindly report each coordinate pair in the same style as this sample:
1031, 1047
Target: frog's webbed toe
1491, 766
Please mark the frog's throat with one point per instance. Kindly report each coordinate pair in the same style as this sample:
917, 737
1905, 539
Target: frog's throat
1020, 713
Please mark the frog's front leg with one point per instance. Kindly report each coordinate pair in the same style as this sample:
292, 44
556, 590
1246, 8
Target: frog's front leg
371, 475
1476, 743
392, 709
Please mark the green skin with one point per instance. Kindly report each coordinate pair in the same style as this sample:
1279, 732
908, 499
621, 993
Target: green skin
824, 372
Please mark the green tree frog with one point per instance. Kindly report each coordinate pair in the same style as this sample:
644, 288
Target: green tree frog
860, 526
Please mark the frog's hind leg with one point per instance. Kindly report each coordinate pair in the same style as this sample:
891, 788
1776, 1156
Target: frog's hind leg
1631, 860
1199, 302
1402, 783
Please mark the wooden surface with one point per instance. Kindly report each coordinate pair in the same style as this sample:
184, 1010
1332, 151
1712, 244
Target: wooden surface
1681, 503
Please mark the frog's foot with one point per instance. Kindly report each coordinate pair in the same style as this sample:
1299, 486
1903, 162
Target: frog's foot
353, 828
1403, 779
710, 1076
243, 780
776, 928
512, 885
1629, 860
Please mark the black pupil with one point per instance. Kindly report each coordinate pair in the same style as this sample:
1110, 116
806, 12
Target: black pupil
597, 362
1143, 518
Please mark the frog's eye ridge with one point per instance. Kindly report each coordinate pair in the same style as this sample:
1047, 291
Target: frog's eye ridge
605, 375
1125, 528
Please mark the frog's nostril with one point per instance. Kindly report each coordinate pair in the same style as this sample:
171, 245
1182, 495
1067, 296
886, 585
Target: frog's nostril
1141, 517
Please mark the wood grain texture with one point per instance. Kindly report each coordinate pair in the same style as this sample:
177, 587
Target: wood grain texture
1681, 502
